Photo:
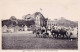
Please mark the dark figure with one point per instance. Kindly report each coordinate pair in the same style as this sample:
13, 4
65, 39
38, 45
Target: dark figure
55, 33
37, 32
46, 35
42, 31
34, 31
60, 32
63, 33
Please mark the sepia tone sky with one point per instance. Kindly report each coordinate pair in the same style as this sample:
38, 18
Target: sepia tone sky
69, 9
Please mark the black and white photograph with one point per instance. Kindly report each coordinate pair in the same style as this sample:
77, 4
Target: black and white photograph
39, 25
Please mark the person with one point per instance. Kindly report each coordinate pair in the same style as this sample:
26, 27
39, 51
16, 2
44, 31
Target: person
69, 28
37, 33
34, 31
49, 28
59, 27
55, 27
25, 28
42, 30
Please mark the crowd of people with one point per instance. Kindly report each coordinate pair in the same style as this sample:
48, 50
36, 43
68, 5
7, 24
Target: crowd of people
57, 30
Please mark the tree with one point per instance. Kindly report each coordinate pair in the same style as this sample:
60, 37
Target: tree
25, 17
14, 20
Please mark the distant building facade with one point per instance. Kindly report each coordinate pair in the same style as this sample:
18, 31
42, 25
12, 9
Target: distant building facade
51, 23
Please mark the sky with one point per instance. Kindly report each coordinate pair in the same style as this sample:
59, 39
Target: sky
52, 9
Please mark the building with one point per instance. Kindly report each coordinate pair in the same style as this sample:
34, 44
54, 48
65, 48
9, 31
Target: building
51, 23
4, 28
39, 19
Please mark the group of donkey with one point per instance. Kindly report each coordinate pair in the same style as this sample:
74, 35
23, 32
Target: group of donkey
55, 33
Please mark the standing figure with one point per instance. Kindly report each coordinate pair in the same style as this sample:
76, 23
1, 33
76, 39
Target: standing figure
42, 30
38, 33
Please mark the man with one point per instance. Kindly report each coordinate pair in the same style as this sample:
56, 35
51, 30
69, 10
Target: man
55, 27
42, 30
38, 32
